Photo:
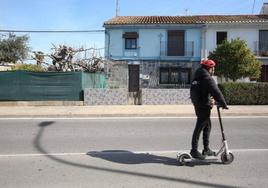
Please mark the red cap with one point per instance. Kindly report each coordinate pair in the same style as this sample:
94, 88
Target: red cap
209, 63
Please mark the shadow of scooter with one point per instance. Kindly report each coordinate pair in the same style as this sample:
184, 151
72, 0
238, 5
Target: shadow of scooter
128, 157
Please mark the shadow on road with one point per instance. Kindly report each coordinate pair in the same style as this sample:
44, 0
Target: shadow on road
128, 157
40, 148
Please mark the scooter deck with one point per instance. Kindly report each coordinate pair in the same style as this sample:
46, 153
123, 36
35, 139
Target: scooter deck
208, 158
191, 159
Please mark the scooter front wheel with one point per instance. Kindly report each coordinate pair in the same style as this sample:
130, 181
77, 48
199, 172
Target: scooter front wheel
181, 158
227, 159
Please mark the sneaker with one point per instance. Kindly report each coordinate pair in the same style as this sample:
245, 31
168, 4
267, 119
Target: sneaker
197, 155
208, 152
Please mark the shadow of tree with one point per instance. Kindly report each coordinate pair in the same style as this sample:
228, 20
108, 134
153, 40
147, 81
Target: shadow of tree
38, 145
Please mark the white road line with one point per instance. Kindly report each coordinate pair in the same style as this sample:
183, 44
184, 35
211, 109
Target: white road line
124, 118
249, 150
41, 154
119, 152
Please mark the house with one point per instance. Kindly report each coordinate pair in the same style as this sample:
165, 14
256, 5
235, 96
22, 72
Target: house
164, 51
251, 28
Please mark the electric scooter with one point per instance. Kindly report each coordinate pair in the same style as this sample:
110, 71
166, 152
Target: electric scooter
226, 155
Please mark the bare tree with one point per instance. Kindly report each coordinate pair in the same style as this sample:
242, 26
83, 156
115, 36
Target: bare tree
39, 57
66, 58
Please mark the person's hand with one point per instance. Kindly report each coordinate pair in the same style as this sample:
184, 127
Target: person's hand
225, 108
211, 102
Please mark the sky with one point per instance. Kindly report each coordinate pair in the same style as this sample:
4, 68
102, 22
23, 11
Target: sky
91, 14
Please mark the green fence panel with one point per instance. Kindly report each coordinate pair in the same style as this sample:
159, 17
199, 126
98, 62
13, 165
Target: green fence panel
95, 80
32, 86
7, 81
42, 86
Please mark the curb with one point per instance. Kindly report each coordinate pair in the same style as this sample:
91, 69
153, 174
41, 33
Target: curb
40, 103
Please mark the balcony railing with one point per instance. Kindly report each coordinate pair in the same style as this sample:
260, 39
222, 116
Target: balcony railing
261, 48
171, 49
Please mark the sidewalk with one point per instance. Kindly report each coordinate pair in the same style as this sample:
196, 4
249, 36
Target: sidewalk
123, 111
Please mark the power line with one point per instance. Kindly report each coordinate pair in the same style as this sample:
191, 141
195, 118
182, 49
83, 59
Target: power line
253, 7
52, 31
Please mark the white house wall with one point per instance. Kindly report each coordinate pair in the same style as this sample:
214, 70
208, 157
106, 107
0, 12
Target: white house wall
149, 42
195, 36
116, 43
250, 35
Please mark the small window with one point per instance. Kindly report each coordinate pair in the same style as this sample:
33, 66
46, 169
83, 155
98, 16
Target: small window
174, 76
130, 43
130, 40
221, 37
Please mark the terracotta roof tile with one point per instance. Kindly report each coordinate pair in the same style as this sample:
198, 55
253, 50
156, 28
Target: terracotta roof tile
129, 20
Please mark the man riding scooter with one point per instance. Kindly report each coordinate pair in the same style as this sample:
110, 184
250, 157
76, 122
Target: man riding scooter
204, 91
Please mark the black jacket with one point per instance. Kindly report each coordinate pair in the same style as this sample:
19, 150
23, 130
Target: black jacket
207, 88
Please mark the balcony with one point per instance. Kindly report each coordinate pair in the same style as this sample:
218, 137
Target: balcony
261, 48
173, 49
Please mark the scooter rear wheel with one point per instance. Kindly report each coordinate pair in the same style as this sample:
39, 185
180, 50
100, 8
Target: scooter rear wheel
181, 158
227, 159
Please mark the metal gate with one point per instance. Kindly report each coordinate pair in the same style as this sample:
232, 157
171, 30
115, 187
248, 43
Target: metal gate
134, 84
134, 80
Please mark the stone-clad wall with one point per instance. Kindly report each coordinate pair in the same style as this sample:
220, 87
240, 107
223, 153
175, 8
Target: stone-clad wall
151, 69
105, 96
117, 74
165, 96
120, 96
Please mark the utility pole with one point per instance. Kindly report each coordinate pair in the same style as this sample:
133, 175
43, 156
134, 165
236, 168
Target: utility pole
117, 8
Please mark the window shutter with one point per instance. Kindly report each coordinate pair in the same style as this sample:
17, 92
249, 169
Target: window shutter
131, 35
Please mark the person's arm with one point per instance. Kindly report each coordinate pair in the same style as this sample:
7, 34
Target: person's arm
216, 93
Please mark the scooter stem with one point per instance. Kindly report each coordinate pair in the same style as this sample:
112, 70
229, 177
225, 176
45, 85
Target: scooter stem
222, 131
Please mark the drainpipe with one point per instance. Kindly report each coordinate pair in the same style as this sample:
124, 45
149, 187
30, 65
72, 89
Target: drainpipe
204, 43
108, 46
160, 46
107, 56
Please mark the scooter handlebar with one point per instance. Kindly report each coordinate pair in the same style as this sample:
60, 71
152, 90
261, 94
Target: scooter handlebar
225, 108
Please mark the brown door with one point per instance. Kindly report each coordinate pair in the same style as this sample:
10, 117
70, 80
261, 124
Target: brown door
175, 43
134, 78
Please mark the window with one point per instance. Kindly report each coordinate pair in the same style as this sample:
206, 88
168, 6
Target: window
185, 76
175, 44
130, 40
130, 43
174, 76
263, 42
221, 36
164, 75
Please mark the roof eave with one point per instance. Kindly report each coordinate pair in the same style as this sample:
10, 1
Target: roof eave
197, 25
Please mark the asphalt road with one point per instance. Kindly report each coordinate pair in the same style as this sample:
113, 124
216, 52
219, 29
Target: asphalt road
127, 152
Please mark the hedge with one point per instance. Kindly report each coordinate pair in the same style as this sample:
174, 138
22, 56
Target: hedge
27, 67
245, 93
